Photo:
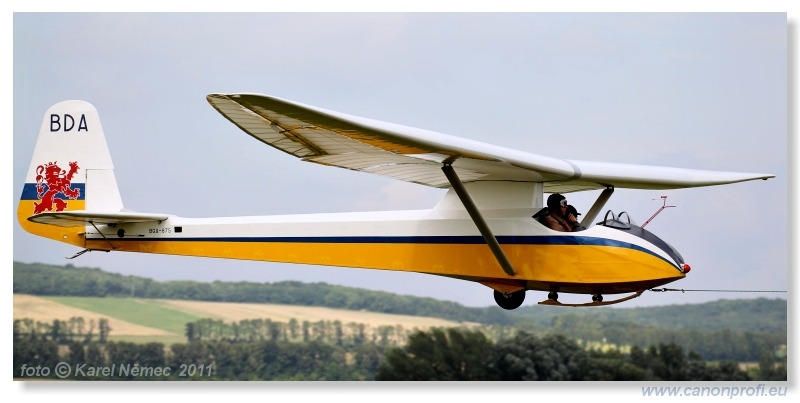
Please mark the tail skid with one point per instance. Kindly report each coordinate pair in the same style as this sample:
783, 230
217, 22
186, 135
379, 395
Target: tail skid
84, 251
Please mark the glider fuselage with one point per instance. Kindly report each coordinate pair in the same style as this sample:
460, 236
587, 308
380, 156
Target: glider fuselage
442, 241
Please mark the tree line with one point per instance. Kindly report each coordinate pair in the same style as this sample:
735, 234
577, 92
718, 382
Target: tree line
759, 314
199, 360
721, 344
333, 332
463, 355
76, 329
453, 354
212, 352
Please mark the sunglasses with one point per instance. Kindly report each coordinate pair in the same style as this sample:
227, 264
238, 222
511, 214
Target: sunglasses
563, 203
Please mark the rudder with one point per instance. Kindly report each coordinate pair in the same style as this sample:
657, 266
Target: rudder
71, 169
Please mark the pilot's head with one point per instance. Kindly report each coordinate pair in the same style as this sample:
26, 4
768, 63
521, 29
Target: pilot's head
557, 203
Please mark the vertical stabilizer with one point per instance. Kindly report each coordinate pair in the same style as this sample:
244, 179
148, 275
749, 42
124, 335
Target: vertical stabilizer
71, 169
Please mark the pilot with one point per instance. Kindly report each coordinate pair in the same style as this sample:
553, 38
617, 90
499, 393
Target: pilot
561, 216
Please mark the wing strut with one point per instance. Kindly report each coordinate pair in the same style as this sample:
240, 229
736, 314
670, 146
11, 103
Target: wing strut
476, 216
597, 206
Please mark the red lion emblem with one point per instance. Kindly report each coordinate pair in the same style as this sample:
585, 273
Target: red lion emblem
57, 181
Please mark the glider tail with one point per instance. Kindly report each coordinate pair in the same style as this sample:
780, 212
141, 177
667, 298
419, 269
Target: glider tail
71, 169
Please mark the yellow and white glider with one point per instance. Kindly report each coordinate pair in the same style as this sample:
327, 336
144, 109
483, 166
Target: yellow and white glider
482, 230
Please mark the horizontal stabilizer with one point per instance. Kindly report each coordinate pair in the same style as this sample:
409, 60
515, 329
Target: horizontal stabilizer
79, 218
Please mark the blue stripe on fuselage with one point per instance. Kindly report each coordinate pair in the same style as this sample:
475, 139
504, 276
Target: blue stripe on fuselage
445, 239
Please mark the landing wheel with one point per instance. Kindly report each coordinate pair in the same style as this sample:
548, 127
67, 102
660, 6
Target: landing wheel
552, 295
597, 298
509, 301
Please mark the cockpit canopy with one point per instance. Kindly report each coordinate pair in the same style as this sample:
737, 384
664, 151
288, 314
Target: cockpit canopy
623, 222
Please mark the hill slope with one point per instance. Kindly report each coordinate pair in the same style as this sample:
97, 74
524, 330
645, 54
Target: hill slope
45, 310
746, 315
739, 330
156, 317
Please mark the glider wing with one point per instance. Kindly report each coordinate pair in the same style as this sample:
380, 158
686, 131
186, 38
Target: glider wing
416, 155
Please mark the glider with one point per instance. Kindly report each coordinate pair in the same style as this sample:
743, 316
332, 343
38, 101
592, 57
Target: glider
483, 229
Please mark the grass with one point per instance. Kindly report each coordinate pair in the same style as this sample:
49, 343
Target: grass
139, 311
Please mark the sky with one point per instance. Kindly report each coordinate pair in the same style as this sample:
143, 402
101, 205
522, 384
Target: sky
704, 91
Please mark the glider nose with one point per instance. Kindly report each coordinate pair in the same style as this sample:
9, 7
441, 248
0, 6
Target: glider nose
686, 268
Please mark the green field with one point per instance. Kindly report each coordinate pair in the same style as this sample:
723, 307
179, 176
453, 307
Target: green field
139, 311
146, 320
